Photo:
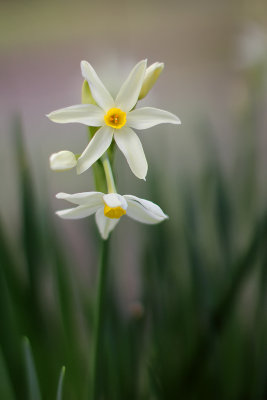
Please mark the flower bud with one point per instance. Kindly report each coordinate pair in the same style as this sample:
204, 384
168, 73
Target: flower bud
62, 160
87, 97
151, 76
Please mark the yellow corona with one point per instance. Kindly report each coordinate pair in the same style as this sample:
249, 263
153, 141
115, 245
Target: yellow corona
116, 118
114, 212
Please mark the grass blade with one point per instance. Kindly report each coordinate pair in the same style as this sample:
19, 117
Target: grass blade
60, 383
6, 391
33, 386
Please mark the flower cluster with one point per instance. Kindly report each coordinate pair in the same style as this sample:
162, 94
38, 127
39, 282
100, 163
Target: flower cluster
113, 120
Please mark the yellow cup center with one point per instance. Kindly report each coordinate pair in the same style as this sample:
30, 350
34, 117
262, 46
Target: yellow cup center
115, 118
115, 212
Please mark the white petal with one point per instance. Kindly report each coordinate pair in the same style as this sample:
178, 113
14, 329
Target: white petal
99, 91
96, 147
146, 117
62, 160
129, 143
104, 224
85, 198
87, 114
143, 210
129, 92
77, 212
115, 200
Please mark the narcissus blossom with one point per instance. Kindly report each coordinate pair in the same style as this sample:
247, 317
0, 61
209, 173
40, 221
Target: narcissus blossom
62, 160
116, 118
109, 208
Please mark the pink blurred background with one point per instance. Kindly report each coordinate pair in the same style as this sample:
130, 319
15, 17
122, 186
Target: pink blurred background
206, 46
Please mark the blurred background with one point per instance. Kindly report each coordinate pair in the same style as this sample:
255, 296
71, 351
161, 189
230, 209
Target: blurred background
187, 315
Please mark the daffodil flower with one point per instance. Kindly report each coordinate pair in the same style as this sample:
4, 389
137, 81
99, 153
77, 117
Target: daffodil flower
109, 208
116, 118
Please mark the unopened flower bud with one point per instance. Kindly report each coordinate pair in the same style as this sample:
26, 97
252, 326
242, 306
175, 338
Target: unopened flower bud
62, 160
151, 76
87, 97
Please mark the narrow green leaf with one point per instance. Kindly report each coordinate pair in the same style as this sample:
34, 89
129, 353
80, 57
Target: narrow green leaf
8, 264
31, 230
6, 390
33, 386
60, 383
9, 318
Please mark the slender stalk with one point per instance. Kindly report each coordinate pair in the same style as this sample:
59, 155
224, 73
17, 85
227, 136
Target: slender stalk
109, 175
102, 170
97, 168
99, 318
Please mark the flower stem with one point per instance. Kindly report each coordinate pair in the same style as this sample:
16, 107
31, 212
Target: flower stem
99, 318
109, 175
97, 167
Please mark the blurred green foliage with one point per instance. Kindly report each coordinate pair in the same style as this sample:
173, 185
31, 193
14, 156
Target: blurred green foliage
200, 329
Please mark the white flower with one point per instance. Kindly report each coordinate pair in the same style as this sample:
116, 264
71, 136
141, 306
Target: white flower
62, 160
109, 208
116, 118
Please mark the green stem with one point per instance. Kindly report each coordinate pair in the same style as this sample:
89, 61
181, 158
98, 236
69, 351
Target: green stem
99, 318
97, 167
109, 175
102, 170
103, 176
